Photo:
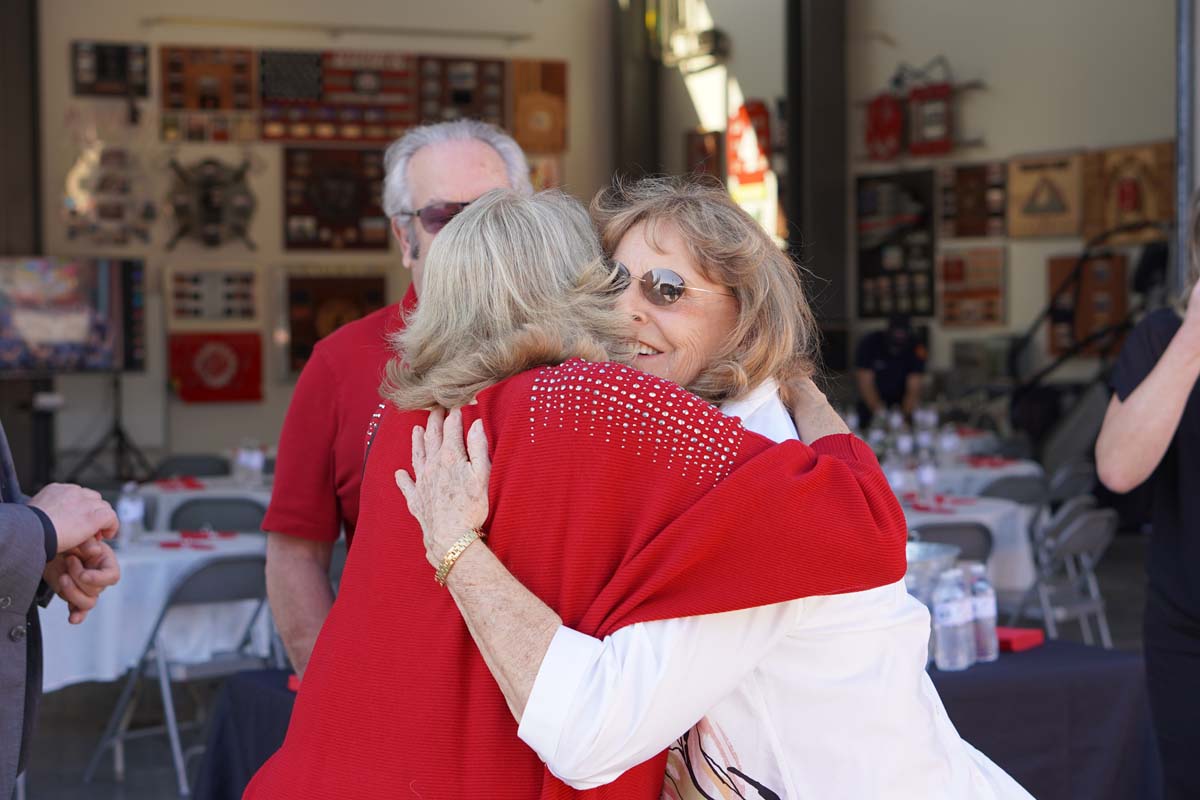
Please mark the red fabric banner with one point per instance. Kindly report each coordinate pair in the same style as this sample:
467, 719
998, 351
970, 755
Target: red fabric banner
216, 367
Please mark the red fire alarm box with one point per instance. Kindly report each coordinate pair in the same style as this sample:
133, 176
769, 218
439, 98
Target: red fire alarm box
931, 120
885, 127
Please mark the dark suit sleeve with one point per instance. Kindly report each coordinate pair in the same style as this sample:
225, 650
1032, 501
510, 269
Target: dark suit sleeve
22, 558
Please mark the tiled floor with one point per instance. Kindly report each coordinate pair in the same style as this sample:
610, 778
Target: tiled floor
72, 719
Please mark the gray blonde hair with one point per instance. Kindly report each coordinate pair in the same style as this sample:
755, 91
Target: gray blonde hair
512, 283
396, 195
775, 335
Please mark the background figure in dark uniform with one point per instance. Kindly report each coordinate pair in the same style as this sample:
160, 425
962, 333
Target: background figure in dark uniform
888, 369
1151, 435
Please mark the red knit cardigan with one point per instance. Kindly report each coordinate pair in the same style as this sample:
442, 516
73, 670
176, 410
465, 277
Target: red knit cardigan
617, 498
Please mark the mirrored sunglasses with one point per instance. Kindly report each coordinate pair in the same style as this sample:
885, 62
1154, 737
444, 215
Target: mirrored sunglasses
660, 286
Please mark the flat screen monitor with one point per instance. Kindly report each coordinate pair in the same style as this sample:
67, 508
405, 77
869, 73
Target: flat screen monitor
69, 315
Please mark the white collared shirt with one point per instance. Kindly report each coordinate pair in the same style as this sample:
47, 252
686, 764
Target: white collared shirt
822, 697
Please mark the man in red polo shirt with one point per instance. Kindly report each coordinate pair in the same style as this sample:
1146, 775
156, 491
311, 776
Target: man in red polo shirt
432, 172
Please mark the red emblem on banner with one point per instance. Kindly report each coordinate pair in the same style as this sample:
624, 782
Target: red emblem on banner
931, 120
216, 367
885, 128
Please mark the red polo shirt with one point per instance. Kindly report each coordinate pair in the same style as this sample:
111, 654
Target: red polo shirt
319, 466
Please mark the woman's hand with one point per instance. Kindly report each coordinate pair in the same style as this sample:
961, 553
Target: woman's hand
812, 413
449, 495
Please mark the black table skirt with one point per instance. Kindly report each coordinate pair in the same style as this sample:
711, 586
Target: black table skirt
1067, 721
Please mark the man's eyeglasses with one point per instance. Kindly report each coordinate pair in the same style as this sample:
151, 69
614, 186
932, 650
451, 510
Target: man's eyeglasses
662, 287
435, 216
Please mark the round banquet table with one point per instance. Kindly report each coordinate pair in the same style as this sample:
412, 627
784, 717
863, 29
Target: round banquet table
975, 472
1011, 566
115, 633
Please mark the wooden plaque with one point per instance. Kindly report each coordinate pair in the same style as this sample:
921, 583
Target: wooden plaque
1044, 195
1126, 185
972, 287
539, 115
974, 200
1103, 300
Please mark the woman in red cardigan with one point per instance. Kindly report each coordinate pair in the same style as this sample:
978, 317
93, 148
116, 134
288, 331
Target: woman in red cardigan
628, 498
813, 697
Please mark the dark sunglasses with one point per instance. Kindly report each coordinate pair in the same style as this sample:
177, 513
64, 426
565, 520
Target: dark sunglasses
436, 216
662, 287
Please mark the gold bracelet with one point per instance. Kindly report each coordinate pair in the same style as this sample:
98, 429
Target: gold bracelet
456, 550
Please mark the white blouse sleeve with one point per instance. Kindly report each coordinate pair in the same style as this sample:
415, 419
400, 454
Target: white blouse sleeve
599, 707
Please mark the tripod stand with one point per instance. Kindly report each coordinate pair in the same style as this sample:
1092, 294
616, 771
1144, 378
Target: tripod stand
129, 462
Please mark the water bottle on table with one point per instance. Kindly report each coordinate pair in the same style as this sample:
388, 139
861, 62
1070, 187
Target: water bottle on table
131, 513
953, 625
983, 604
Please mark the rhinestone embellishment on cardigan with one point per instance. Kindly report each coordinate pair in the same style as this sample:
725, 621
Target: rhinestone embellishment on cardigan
639, 412
373, 425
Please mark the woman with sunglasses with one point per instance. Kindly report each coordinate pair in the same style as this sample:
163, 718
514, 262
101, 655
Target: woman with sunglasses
812, 697
619, 498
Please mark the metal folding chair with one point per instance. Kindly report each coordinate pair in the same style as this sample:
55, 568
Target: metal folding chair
1075, 479
1028, 490
196, 465
218, 513
973, 539
219, 580
1066, 587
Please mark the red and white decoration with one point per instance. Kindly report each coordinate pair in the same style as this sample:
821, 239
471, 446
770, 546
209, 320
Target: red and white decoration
216, 367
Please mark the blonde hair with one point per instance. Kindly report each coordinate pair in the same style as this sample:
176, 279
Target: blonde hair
775, 335
512, 283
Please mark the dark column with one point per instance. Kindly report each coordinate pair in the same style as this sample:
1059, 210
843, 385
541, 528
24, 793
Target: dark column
30, 434
635, 90
817, 161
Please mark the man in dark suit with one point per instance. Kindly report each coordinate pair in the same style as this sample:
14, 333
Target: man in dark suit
50, 543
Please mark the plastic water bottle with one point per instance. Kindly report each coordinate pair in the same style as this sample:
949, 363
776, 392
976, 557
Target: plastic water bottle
949, 446
131, 512
927, 476
983, 605
249, 463
953, 627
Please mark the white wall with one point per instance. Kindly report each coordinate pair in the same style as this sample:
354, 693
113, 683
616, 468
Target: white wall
757, 62
1062, 75
573, 30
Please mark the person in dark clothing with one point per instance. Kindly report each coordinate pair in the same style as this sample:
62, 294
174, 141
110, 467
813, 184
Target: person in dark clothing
889, 366
1151, 433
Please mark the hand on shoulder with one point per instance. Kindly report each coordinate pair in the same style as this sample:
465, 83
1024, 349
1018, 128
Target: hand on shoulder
815, 417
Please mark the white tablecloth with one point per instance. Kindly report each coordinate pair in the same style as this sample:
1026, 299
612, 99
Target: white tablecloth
164, 497
978, 443
965, 479
1011, 565
115, 633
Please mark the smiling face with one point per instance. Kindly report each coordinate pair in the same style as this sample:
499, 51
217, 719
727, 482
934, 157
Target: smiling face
679, 341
